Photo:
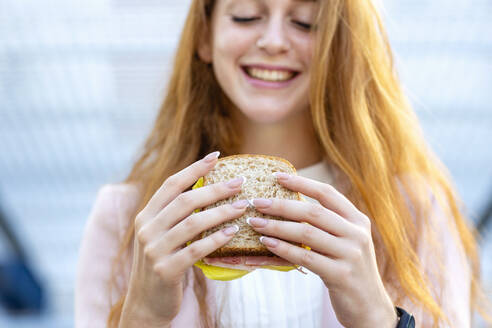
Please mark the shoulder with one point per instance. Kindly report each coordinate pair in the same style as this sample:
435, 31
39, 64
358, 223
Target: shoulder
117, 191
114, 206
421, 193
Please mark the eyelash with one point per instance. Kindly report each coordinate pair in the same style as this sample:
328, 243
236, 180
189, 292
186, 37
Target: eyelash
250, 19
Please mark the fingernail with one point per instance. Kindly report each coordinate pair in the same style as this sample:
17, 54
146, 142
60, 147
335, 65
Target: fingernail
229, 231
268, 241
262, 202
234, 183
256, 222
240, 204
210, 157
281, 175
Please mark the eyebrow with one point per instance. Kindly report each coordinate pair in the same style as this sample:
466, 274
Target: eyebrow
262, 1
293, 0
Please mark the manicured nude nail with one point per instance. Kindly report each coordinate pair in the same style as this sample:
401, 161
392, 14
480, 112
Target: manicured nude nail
210, 157
268, 241
234, 183
281, 175
256, 222
229, 231
240, 204
262, 202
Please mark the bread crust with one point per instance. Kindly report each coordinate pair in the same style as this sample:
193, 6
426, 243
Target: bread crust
258, 249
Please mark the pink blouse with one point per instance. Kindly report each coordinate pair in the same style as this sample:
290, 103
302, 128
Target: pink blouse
273, 298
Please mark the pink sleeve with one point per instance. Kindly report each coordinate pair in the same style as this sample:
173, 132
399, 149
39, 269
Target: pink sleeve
99, 245
452, 282
102, 236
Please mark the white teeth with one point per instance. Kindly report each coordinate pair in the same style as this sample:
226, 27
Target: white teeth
269, 75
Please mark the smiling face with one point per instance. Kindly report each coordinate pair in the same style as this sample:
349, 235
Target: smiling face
261, 55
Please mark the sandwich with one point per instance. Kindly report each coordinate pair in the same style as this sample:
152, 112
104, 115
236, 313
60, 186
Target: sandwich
244, 252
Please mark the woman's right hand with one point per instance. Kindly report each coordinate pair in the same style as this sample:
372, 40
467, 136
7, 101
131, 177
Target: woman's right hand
162, 228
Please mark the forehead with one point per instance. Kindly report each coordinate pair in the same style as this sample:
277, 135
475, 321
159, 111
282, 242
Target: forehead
229, 3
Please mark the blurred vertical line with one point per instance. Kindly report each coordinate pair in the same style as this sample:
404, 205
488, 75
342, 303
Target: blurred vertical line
8, 232
485, 217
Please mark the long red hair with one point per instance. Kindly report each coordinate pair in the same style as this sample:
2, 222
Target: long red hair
364, 123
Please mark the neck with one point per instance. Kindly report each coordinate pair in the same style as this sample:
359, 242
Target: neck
293, 139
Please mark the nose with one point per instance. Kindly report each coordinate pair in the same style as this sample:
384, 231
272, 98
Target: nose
274, 39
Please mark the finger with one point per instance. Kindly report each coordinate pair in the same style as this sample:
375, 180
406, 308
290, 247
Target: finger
183, 206
179, 182
312, 213
199, 249
317, 263
196, 223
306, 234
324, 193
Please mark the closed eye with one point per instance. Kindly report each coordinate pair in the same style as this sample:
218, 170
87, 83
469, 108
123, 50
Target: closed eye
243, 19
236, 19
303, 25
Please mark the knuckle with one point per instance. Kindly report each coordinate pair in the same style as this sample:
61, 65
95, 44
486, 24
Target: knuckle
148, 253
195, 251
164, 271
307, 258
355, 254
191, 223
325, 190
185, 198
220, 188
307, 233
330, 189
316, 211
363, 238
217, 238
366, 222
139, 221
159, 269
279, 204
224, 210
143, 237
228, 211
171, 182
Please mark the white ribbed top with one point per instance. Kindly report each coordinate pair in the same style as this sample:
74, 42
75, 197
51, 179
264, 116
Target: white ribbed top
269, 298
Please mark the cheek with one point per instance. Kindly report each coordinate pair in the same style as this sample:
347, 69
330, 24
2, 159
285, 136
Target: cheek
231, 42
304, 45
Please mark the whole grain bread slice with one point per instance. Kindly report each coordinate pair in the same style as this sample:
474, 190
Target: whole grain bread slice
260, 183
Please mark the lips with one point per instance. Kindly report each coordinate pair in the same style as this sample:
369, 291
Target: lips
271, 67
270, 74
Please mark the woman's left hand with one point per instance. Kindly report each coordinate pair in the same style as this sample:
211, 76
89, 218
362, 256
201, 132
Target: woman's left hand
342, 251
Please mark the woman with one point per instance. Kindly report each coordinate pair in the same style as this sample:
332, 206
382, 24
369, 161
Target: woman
312, 82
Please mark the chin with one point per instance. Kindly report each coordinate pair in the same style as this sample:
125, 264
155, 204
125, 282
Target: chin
265, 115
